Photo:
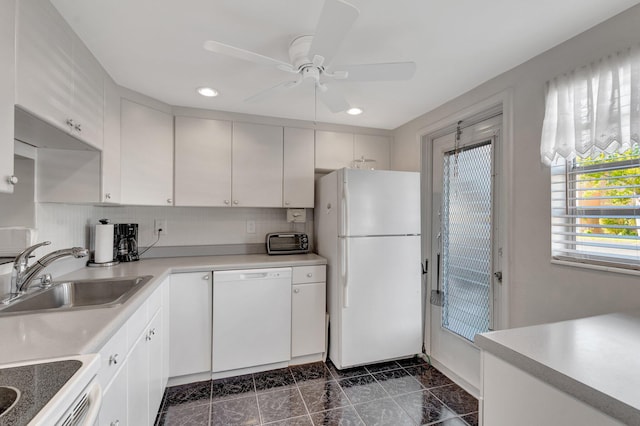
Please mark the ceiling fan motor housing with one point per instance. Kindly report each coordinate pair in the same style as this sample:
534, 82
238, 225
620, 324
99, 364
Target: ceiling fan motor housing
299, 52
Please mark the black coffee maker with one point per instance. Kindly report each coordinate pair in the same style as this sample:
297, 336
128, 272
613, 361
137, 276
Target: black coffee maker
125, 241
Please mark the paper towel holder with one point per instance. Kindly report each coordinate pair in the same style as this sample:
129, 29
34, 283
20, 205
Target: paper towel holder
92, 262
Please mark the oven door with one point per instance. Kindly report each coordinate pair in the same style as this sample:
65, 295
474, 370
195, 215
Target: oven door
85, 409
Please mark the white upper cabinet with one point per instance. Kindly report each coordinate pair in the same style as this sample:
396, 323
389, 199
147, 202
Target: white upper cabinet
7, 78
372, 147
257, 165
203, 162
298, 172
87, 102
58, 79
334, 150
110, 191
146, 155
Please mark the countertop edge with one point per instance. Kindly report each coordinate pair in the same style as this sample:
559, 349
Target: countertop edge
585, 393
113, 318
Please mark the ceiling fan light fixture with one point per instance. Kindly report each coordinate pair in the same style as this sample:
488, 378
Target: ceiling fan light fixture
355, 111
208, 92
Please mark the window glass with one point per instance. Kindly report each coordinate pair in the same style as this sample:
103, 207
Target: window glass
596, 209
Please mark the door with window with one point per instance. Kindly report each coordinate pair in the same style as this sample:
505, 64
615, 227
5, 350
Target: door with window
464, 246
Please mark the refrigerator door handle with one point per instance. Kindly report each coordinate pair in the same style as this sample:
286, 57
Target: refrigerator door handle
345, 272
345, 210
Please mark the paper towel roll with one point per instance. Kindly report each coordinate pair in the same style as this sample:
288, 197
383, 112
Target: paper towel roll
104, 243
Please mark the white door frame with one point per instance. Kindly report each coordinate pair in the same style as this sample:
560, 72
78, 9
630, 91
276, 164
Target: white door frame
425, 137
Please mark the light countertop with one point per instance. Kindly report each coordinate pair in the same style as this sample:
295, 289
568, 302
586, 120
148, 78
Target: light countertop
55, 334
596, 359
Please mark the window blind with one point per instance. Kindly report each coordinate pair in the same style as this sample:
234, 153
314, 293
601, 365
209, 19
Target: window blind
595, 209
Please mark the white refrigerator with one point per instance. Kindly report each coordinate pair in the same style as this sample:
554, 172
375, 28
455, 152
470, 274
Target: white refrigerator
368, 227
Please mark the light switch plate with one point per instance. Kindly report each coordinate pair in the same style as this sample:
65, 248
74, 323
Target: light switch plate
297, 215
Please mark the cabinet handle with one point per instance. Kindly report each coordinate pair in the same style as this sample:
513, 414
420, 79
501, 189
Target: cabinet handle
113, 359
78, 127
107, 196
169, 201
309, 275
286, 203
70, 122
151, 333
296, 290
235, 202
206, 277
226, 201
12, 180
116, 423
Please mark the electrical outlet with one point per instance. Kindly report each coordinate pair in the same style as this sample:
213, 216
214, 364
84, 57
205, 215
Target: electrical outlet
251, 227
160, 227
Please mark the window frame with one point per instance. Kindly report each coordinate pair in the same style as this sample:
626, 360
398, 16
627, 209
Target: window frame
564, 178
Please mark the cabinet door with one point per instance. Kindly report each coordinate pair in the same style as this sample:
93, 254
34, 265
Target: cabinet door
44, 69
87, 106
114, 401
7, 81
257, 165
191, 300
203, 162
146, 154
373, 147
298, 171
155, 335
334, 150
111, 146
307, 319
166, 332
138, 383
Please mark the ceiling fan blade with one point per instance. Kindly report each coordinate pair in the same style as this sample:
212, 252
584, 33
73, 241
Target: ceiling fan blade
270, 91
245, 55
332, 98
392, 71
336, 20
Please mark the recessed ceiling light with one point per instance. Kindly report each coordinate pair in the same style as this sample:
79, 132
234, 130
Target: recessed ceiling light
207, 91
354, 111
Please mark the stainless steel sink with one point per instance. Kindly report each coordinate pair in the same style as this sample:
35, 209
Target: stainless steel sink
80, 294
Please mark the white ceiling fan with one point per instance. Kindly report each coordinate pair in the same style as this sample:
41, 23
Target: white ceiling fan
311, 58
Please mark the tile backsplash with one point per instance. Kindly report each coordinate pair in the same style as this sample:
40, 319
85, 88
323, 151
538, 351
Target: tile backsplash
68, 225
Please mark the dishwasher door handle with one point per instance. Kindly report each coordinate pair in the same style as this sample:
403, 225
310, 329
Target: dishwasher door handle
254, 276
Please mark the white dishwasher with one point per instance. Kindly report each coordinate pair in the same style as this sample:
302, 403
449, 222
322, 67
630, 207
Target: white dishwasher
251, 318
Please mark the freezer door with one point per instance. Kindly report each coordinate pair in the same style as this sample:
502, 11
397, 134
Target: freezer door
381, 308
380, 202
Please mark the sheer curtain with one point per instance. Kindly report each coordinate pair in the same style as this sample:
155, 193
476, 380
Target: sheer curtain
593, 109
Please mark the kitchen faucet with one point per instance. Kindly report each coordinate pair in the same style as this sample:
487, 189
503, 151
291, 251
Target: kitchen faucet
24, 274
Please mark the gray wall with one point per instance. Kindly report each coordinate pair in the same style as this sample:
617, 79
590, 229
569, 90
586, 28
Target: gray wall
539, 291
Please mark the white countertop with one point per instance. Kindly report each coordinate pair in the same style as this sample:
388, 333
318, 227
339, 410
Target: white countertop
596, 359
55, 334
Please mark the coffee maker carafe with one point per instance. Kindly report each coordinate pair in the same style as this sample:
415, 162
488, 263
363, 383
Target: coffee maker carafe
125, 242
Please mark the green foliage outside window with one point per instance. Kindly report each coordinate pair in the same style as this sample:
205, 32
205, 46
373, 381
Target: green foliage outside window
615, 188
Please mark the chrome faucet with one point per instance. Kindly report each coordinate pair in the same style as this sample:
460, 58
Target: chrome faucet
24, 274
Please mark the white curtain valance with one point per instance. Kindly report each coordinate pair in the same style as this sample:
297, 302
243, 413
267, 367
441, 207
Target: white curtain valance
593, 109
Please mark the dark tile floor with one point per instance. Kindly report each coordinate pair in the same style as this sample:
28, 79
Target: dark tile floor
407, 392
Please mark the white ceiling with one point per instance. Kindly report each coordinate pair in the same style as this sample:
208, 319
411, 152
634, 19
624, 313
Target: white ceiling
155, 47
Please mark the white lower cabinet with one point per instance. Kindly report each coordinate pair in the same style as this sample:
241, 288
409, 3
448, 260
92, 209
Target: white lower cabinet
133, 374
511, 396
113, 411
191, 300
307, 319
308, 307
